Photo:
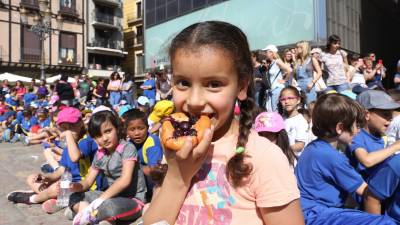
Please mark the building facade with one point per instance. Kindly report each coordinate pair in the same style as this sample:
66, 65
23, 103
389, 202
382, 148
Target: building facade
64, 49
133, 37
105, 44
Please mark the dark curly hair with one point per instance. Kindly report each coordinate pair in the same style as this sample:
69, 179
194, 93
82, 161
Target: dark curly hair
233, 41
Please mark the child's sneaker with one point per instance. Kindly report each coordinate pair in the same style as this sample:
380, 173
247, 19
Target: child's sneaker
50, 206
25, 140
69, 214
20, 197
46, 168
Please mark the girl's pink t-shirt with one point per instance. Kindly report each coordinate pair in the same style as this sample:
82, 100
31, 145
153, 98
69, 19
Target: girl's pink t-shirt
212, 200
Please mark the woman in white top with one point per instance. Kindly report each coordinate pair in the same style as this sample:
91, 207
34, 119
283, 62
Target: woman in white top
335, 63
114, 87
275, 75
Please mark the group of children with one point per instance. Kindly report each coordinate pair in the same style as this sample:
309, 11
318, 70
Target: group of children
271, 170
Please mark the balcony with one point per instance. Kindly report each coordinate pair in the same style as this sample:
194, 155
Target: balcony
110, 3
68, 11
31, 55
138, 41
104, 46
134, 21
30, 4
105, 21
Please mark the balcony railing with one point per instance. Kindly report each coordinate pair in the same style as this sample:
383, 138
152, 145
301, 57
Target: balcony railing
114, 3
31, 55
30, 4
104, 18
103, 43
69, 11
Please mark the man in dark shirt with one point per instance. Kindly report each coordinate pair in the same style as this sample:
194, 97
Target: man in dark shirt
65, 91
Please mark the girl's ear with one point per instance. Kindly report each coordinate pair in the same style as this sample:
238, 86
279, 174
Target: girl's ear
367, 115
243, 86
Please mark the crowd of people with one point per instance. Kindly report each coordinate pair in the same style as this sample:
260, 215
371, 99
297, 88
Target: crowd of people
306, 138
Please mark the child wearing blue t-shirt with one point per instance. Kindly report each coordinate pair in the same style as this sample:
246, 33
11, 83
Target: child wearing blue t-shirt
24, 126
44, 186
384, 186
368, 147
324, 175
29, 97
148, 145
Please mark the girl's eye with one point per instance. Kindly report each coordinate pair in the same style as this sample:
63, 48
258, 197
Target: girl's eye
182, 84
214, 84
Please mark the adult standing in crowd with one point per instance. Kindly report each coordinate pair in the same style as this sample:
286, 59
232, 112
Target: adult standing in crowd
149, 87
397, 76
65, 91
114, 87
259, 78
100, 93
277, 70
84, 88
305, 67
335, 64
20, 88
34, 85
5, 88
163, 86
42, 89
129, 89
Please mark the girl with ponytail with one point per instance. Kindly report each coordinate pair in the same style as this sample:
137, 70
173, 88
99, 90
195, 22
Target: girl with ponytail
233, 176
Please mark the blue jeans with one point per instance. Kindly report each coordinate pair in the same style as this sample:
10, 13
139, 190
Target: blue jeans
128, 96
312, 94
115, 96
338, 88
273, 99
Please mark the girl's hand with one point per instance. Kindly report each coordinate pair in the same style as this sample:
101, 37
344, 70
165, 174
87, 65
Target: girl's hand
184, 164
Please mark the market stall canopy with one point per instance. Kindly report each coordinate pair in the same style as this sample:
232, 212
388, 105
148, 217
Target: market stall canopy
13, 77
57, 77
102, 73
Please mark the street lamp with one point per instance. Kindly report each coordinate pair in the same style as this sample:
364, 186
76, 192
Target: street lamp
41, 27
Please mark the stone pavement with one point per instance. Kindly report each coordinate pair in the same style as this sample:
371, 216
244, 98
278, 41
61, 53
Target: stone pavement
16, 163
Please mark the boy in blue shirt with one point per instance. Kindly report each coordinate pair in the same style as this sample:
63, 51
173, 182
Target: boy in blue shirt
25, 125
148, 145
384, 186
368, 147
324, 175
149, 87
29, 97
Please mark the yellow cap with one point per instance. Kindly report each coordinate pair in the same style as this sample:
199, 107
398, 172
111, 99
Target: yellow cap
161, 109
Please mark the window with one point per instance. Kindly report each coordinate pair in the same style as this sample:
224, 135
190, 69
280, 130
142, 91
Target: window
31, 46
67, 54
159, 11
139, 34
139, 9
68, 7
139, 64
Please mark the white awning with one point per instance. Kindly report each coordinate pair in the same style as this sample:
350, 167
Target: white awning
13, 77
102, 73
57, 77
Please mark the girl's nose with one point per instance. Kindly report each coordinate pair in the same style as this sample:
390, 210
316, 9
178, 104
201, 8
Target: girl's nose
196, 100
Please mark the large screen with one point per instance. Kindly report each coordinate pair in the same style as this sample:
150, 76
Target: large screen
278, 22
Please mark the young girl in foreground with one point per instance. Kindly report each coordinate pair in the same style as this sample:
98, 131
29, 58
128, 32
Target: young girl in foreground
117, 158
324, 175
233, 176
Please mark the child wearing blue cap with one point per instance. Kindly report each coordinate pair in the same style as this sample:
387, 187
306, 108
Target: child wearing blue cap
368, 148
324, 175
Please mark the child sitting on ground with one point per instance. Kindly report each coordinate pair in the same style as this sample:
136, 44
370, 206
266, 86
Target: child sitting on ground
271, 126
44, 186
368, 148
44, 122
324, 175
148, 145
124, 198
25, 124
8, 126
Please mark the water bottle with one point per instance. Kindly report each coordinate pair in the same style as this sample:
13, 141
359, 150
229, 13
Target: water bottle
65, 181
